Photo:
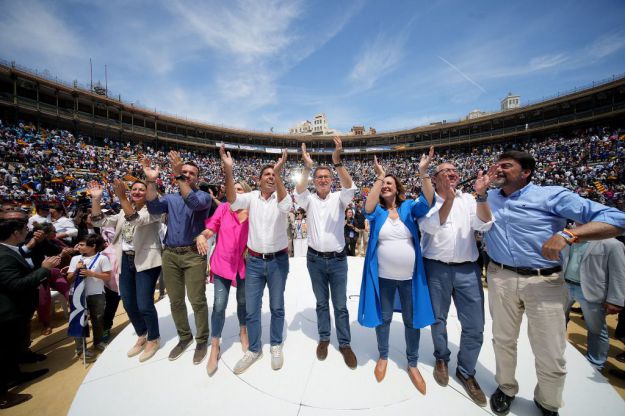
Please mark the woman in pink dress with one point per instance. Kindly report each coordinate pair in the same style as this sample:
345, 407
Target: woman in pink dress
227, 268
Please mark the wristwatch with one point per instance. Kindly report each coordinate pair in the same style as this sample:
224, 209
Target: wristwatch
181, 178
481, 198
338, 165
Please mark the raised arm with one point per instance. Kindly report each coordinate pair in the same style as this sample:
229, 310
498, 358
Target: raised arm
151, 175
374, 193
176, 167
426, 182
226, 163
481, 188
277, 170
308, 164
344, 178
120, 189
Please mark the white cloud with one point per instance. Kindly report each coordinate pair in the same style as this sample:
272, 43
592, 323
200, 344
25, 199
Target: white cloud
377, 59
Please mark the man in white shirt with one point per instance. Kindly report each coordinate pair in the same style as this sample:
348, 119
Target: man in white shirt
268, 260
450, 254
65, 228
42, 216
326, 258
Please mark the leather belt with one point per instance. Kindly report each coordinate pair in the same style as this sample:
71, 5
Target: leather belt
182, 249
327, 254
267, 256
527, 271
451, 263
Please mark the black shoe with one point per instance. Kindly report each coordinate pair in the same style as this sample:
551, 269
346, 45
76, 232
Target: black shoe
544, 411
615, 372
26, 376
620, 357
29, 357
500, 402
9, 399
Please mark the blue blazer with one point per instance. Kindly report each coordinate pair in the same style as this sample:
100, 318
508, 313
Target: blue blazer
369, 309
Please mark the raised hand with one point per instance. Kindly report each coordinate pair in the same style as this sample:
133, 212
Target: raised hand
483, 180
151, 174
120, 188
378, 169
338, 149
426, 159
95, 190
308, 162
51, 262
277, 168
226, 159
176, 162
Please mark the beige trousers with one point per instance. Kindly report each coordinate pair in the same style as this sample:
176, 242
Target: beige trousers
543, 299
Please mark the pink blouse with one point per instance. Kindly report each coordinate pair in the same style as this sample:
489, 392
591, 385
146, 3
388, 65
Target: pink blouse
227, 260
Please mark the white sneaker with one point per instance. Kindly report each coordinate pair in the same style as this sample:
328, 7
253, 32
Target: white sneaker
248, 359
277, 358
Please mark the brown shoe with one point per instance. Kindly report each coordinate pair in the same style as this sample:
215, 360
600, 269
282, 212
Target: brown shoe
472, 388
322, 350
177, 351
349, 357
9, 399
380, 369
417, 379
441, 373
200, 352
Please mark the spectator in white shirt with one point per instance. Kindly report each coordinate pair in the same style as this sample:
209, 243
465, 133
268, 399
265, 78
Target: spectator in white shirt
268, 260
326, 258
450, 259
65, 227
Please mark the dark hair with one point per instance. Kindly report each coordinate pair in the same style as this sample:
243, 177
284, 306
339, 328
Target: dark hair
401, 191
9, 225
93, 240
59, 207
524, 159
318, 168
190, 163
46, 227
264, 168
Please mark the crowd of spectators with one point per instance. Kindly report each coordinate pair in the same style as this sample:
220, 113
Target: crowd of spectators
54, 165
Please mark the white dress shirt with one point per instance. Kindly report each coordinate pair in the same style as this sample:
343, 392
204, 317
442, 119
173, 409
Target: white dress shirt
65, 225
453, 241
268, 220
326, 218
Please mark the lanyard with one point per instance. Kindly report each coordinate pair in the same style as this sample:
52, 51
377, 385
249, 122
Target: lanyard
93, 261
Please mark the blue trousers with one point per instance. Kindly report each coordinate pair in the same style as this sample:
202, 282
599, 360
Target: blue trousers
463, 284
329, 275
222, 292
388, 289
258, 273
137, 292
594, 317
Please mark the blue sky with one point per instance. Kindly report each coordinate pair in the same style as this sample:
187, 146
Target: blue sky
257, 64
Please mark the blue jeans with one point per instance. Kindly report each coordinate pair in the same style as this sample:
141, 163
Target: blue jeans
463, 284
222, 292
388, 288
330, 274
594, 317
137, 291
258, 272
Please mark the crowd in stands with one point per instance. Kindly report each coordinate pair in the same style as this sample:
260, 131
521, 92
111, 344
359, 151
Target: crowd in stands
55, 165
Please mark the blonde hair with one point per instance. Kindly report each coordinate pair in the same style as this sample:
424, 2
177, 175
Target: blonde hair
245, 186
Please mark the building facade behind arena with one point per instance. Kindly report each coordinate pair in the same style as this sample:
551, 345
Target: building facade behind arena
25, 95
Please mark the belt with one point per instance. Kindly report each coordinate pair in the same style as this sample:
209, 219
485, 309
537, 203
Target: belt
129, 252
527, 271
327, 254
572, 282
451, 263
182, 249
267, 256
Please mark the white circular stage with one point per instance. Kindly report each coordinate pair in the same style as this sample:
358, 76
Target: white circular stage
305, 386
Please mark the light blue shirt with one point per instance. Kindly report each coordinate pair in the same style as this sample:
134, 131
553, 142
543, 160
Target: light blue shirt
527, 218
575, 258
